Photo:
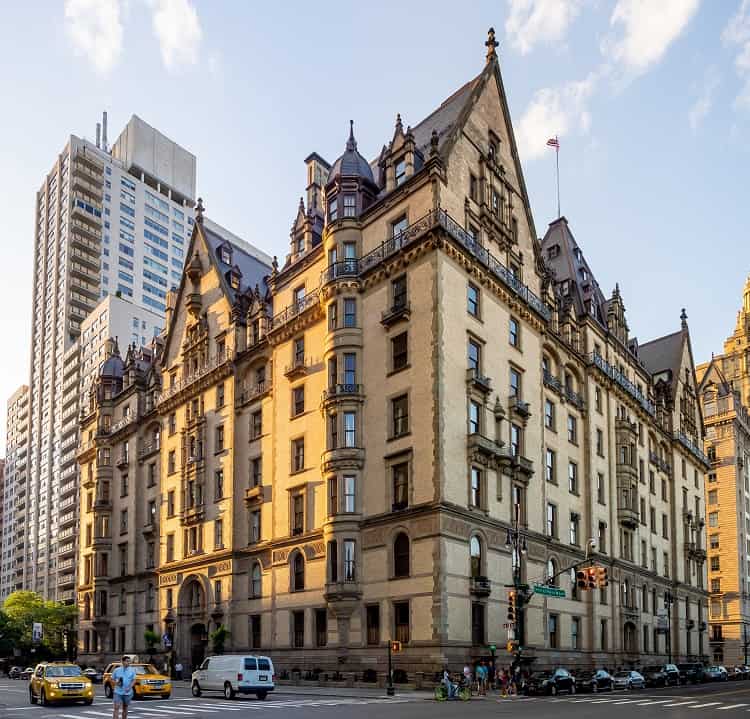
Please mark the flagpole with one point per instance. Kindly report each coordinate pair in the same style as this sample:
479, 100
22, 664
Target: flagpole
557, 163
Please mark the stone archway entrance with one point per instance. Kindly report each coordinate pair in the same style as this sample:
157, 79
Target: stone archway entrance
192, 625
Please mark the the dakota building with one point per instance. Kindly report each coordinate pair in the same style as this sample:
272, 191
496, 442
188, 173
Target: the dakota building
327, 452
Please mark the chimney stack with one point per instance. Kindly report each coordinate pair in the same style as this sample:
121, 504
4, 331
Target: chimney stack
104, 131
98, 134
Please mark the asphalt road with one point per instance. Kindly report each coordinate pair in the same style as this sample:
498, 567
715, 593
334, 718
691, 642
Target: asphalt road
713, 700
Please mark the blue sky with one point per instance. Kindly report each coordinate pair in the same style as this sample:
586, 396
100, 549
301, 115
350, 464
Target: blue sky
651, 101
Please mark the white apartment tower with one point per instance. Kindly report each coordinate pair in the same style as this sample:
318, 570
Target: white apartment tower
108, 222
14, 496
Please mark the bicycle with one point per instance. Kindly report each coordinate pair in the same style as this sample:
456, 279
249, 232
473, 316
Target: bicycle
462, 693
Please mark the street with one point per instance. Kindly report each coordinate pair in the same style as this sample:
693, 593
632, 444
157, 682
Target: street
708, 699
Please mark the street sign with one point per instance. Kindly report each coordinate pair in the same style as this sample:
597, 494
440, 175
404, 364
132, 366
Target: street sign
492, 647
548, 591
37, 632
166, 640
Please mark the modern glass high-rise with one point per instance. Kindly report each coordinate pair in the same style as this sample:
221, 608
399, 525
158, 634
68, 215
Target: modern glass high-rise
108, 221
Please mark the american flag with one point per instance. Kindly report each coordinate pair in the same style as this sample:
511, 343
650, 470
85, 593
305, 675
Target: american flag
553, 142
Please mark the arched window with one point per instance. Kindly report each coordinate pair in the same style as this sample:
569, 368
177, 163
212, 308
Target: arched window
298, 569
475, 552
255, 581
401, 558
552, 580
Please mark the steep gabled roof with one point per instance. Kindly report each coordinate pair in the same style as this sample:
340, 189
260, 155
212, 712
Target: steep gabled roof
663, 353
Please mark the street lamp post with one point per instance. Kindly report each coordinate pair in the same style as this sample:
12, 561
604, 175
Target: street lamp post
515, 540
668, 602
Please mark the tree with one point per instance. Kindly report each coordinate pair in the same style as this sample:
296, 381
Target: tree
218, 637
151, 638
24, 608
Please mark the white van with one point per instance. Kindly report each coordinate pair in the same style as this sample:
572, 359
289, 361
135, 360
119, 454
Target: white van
234, 674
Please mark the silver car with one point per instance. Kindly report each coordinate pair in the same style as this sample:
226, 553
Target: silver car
628, 680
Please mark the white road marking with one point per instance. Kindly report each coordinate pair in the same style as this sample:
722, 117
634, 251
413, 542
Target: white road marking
680, 704
652, 701
708, 704
732, 706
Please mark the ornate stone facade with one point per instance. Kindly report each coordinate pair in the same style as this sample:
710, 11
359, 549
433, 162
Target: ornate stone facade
346, 438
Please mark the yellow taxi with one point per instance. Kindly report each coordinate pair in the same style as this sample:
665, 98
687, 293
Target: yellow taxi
58, 682
148, 681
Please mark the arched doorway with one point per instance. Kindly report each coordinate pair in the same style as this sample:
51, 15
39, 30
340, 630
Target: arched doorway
192, 624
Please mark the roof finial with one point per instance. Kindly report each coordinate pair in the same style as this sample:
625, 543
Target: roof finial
351, 143
199, 211
399, 126
491, 44
683, 318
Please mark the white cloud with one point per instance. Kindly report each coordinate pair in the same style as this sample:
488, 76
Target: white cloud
95, 28
532, 21
702, 106
178, 30
649, 27
555, 111
737, 33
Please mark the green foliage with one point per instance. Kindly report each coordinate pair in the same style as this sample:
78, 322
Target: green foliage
151, 638
218, 637
20, 611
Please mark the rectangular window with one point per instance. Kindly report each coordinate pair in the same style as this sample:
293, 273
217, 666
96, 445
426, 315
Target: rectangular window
475, 426
575, 633
333, 496
333, 320
472, 300
350, 429
400, 414
256, 425
220, 438
474, 352
401, 621
170, 547
398, 292
298, 514
220, 395
350, 561
572, 429
600, 491
256, 471
551, 520
254, 533
602, 538
514, 332
350, 369
350, 207
400, 171
400, 476
254, 631
603, 635
399, 351
516, 440
298, 454
298, 630
600, 442
349, 493
298, 400
478, 631
350, 312
515, 383
476, 487
550, 466
574, 525
549, 414
373, 624
218, 485
333, 210
218, 534
552, 623
573, 477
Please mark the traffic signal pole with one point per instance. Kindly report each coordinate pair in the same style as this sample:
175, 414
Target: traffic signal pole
389, 689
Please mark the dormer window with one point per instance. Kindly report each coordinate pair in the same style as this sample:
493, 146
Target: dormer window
300, 244
333, 210
492, 151
234, 281
553, 252
584, 274
225, 254
400, 171
350, 205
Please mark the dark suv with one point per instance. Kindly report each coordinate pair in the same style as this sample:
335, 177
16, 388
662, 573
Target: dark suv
588, 681
661, 675
561, 680
691, 673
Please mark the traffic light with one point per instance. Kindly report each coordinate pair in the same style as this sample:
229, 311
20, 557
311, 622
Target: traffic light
581, 581
602, 577
591, 577
512, 607
512, 645
395, 647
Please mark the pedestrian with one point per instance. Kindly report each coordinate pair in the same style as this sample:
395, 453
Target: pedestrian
178, 670
122, 694
482, 678
467, 675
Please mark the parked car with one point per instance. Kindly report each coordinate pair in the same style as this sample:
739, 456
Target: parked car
59, 682
716, 673
662, 675
629, 680
93, 674
738, 672
14, 673
26, 673
561, 680
234, 674
148, 681
588, 681
692, 673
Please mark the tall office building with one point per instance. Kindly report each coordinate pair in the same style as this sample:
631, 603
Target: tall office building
12, 545
107, 222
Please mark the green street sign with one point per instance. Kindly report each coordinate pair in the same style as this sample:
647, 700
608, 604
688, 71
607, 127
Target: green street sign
548, 591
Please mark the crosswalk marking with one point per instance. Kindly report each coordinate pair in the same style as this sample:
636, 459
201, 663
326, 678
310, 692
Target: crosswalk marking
652, 701
732, 706
708, 704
